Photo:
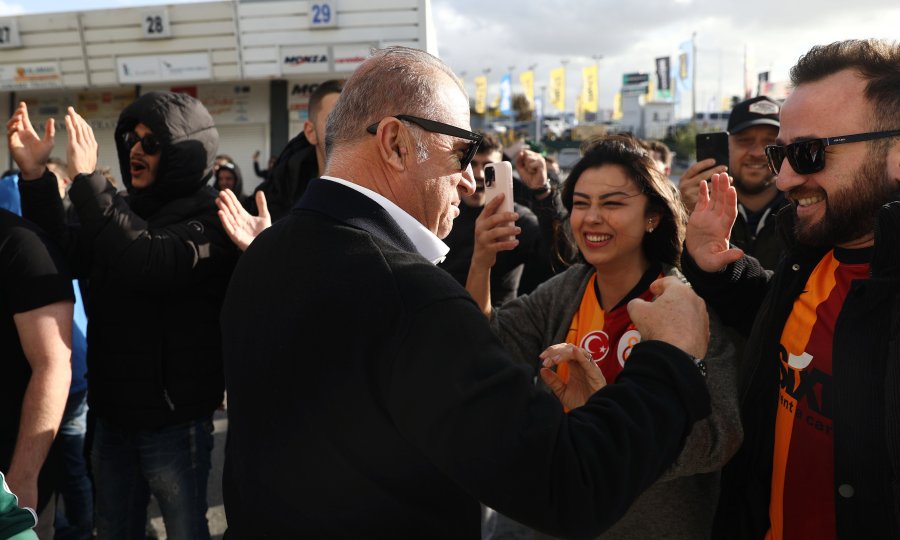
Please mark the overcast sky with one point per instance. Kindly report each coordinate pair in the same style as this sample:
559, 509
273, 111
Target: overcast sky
474, 35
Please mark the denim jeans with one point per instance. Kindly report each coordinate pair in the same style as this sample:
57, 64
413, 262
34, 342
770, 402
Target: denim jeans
74, 485
173, 463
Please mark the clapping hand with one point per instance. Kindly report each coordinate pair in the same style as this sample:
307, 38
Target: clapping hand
30, 151
81, 153
241, 226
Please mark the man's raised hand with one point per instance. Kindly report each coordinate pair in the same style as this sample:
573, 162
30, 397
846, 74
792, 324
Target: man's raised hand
29, 151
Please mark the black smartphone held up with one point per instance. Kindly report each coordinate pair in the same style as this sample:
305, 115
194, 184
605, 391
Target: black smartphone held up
713, 145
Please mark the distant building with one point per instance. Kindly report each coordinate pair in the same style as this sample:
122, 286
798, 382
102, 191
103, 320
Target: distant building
647, 120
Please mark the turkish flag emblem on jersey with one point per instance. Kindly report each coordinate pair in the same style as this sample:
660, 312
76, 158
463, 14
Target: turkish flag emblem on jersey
597, 342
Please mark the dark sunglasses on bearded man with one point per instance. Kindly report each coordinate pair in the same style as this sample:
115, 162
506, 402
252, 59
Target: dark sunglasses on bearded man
808, 157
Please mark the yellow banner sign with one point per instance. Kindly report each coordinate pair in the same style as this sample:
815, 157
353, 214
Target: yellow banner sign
527, 80
481, 94
589, 88
558, 88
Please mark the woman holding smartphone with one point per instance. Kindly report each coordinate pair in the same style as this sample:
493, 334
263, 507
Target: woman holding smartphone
628, 224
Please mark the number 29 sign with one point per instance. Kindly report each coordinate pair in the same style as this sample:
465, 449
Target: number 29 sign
322, 15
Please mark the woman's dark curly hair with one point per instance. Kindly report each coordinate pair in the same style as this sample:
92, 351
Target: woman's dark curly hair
664, 244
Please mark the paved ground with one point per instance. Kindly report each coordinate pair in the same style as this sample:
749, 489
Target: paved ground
216, 513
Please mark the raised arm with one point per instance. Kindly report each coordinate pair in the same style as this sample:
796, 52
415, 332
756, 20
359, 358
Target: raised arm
494, 232
709, 227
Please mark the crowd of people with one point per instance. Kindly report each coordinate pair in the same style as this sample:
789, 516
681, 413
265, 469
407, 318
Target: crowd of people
621, 356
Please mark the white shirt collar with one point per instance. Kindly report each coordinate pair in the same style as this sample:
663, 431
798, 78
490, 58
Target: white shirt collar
426, 242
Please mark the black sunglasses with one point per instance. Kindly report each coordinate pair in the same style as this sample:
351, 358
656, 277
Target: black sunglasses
444, 129
808, 157
149, 142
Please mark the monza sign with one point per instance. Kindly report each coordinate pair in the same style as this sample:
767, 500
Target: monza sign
296, 60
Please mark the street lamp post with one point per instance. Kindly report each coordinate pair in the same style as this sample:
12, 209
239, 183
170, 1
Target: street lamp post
487, 107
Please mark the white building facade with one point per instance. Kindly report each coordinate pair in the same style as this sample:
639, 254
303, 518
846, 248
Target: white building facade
252, 63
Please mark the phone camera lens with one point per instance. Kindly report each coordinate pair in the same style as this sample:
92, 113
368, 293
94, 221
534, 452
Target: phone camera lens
489, 177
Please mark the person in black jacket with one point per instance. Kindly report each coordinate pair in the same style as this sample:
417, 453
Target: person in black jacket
302, 160
410, 410
820, 380
752, 125
158, 262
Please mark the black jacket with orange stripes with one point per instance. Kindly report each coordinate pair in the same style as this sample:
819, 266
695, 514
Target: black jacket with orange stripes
866, 382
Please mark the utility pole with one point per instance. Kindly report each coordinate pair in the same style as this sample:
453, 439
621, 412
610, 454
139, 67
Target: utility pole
565, 63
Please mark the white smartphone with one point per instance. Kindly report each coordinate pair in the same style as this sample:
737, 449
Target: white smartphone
497, 180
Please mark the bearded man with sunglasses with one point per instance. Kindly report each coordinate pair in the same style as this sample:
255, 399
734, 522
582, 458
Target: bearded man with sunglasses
820, 377
158, 262
367, 396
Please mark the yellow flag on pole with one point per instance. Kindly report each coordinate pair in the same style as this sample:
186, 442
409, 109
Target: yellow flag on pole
558, 88
617, 107
481, 94
589, 89
527, 80
726, 103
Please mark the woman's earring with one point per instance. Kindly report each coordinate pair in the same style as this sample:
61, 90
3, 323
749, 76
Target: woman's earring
650, 228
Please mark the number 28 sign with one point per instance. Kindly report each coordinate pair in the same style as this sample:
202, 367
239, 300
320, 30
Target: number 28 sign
155, 24
322, 15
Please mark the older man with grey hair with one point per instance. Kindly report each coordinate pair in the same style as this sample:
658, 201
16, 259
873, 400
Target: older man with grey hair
367, 394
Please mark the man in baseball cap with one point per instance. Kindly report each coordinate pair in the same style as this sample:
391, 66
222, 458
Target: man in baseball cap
753, 124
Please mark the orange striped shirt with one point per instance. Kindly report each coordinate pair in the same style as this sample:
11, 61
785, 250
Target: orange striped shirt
802, 497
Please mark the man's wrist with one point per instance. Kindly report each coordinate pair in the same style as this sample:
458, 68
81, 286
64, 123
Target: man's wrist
33, 173
543, 192
700, 363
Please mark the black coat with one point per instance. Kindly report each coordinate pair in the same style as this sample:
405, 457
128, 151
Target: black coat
158, 272
287, 179
369, 398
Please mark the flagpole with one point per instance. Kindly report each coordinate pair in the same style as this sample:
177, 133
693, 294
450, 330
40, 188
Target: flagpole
693, 77
512, 114
487, 108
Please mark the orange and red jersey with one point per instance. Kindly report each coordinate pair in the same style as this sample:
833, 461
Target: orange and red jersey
608, 336
802, 501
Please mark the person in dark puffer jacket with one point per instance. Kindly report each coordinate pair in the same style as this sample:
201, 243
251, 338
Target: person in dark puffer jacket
158, 262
